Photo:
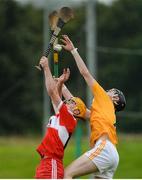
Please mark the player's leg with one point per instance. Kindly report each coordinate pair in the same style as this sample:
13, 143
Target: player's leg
81, 166
102, 160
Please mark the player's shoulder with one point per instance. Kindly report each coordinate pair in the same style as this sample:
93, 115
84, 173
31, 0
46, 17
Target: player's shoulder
97, 88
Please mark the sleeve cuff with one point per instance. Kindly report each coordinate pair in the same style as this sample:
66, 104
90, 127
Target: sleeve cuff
74, 51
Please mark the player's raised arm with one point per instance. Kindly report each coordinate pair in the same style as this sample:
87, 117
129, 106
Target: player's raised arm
68, 45
62, 79
60, 83
50, 83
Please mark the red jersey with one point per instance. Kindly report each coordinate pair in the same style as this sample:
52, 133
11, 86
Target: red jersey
59, 130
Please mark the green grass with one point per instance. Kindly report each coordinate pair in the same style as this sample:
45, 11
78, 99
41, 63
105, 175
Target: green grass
130, 151
18, 157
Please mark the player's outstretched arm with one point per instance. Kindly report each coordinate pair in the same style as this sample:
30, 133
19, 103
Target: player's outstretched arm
49, 82
62, 79
68, 45
66, 93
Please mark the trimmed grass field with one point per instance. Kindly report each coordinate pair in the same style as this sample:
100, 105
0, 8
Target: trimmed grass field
18, 158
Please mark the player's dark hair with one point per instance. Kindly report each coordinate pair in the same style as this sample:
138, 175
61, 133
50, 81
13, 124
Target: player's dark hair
121, 103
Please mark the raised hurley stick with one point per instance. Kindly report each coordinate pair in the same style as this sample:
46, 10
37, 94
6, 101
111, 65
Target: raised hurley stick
53, 19
64, 15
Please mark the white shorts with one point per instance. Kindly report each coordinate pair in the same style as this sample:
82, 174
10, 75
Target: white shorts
105, 156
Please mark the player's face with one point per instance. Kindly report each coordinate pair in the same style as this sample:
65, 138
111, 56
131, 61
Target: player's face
113, 95
71, 105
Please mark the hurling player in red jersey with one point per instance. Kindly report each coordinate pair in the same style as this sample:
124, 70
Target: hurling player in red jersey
60, 126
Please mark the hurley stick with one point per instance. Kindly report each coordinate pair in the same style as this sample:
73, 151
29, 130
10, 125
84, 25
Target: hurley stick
64, 15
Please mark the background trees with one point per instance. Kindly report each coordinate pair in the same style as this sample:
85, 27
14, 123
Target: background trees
20, 44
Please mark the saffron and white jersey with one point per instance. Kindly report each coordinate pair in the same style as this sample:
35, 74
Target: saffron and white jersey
59, 130
103, 119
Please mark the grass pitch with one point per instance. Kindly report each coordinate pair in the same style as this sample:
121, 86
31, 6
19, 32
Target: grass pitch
18, 158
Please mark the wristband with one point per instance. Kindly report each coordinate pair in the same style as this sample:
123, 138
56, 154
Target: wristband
74, 51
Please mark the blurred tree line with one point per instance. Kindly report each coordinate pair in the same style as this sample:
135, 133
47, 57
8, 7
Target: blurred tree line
21, 45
